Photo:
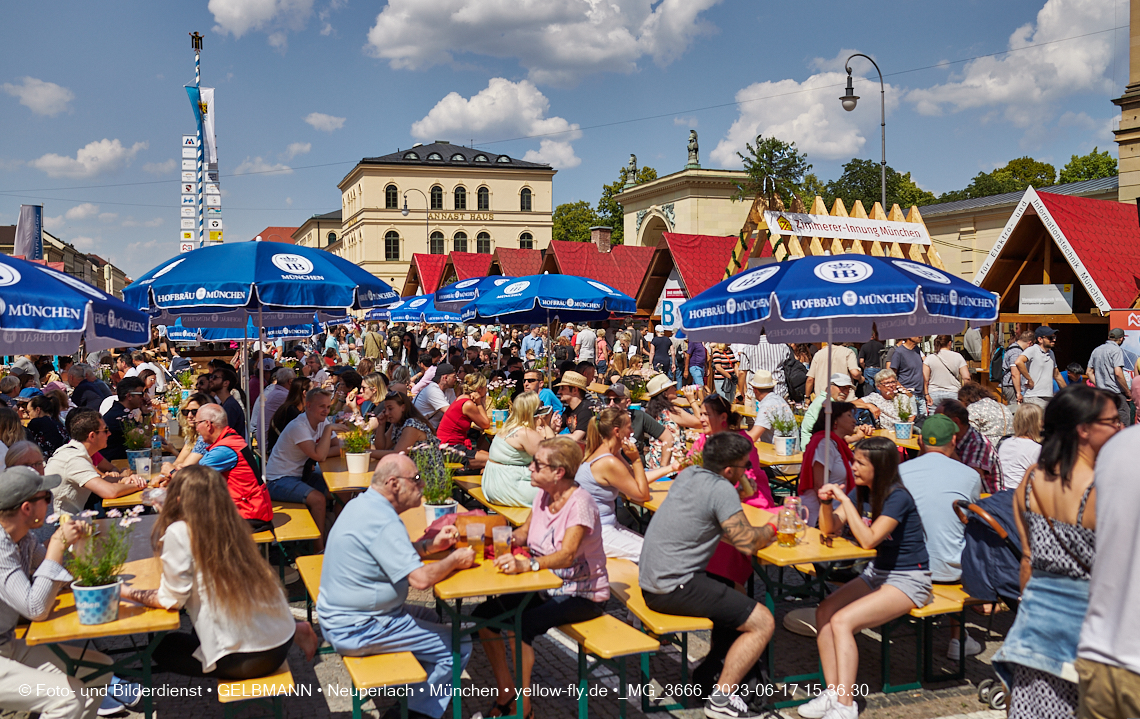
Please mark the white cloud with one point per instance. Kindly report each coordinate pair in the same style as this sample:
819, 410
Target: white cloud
82, 212
132, 222
51, 224
685, 121
83, 244
557, 42
258, 165
276, 17
808, 114
297, 148
108, 216
1024, 86
160, 168
323, 122
504, 109
93, 159
43, 98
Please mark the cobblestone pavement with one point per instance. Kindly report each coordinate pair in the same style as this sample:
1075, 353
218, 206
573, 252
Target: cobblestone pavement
324, 684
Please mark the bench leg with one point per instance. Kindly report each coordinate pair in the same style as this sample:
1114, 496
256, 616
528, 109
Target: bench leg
583, 684
885, 653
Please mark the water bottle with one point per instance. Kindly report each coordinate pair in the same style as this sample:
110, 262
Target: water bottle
155, 450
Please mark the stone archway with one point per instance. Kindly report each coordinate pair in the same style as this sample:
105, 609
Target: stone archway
652, 228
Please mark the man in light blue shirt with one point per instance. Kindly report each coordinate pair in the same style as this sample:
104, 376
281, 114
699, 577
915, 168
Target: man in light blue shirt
533, 342
364, 583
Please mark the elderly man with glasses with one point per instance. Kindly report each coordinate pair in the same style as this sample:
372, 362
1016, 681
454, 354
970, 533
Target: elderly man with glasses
888, 397
362, 607
228, 453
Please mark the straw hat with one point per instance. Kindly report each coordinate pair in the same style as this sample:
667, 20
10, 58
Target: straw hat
762, 379
573, 379
657, 384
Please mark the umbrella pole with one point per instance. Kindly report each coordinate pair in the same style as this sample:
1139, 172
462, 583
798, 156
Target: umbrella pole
261, 361
827, 412
245, 370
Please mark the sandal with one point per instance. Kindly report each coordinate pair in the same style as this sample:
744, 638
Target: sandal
505, 709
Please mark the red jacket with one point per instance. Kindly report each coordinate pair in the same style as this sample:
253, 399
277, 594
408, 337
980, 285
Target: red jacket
807, 477
248, 493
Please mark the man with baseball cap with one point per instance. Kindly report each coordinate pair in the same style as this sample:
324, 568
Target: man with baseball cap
842, 390
936, 481
1038, 365
1106, 367
434, 399
33, 575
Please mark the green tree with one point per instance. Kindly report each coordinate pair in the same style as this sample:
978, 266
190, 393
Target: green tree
1015, 176
610, 211
1092, 166
862, 180
573, 220
772, 166
813, 186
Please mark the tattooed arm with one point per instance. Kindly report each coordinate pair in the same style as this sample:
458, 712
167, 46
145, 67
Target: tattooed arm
741, 534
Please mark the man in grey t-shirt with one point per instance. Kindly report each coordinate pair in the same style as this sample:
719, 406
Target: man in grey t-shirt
1039, 364
702, 508
1106, 365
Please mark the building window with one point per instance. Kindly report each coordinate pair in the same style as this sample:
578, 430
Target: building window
503, 159
460, 198
331, 237
483, 243
484, 199
526, 241
437, 247
480, 158
391, 198
524, 200
411, 156
458, 158
435, 156
392, 246
437, 198
460, 244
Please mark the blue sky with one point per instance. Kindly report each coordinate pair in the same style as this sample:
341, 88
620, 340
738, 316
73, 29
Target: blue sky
93, 107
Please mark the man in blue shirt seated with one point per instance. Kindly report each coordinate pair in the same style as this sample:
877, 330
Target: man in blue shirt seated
532, 382
936, 481
369, 564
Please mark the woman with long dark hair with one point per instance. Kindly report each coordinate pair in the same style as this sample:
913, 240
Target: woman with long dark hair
289, 410
896, 581
838, 464
45, 428
1056, 520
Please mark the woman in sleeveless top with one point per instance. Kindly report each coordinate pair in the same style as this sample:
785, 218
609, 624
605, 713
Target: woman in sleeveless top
468, 410
506, 478
1056, 520
613, 466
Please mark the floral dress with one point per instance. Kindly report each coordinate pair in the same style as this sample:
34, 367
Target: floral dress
435, 456
655, 450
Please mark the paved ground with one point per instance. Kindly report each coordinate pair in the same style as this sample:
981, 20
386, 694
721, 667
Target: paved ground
323, 685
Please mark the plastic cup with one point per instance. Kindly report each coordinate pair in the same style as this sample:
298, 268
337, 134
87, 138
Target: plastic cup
142, 465
501, 536
475, 533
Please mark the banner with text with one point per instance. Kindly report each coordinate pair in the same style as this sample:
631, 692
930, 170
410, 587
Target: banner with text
846, 228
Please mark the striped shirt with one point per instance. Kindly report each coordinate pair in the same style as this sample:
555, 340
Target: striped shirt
22, 593
765, 356
724, 360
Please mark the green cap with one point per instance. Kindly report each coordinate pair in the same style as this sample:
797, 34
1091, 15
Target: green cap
938, 430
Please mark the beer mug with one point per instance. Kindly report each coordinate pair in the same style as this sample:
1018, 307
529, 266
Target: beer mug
789, 527
797, 506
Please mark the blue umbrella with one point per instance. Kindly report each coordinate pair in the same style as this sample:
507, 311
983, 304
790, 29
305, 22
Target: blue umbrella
219, 334
44, 311
222, 285
419, 309
455, 296
538, 298
817, 298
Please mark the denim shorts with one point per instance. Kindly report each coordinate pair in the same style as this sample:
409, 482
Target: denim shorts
295, 489
914, 583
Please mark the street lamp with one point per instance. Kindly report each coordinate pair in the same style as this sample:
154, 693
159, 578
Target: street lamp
850, 100
427, 208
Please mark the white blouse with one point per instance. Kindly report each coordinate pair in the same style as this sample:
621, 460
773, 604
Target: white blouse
183, 586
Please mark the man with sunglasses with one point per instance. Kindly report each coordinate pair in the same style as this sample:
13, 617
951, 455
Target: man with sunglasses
73, 463
131, 404
645, 427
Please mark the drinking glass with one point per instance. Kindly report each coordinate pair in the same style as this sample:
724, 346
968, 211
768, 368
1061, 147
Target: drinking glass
501, 536
475, 539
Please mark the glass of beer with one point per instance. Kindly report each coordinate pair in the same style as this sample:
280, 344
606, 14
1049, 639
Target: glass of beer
501, 536
475, 539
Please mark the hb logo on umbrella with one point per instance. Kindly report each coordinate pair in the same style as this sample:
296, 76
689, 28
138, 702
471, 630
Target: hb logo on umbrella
843, 271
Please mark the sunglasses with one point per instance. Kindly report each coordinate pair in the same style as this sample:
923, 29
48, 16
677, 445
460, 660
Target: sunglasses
189, 412
41, 496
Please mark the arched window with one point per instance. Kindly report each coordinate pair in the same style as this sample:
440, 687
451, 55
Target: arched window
411, 156
392, 246
391, 198
435, 156
331, 237
524, 200
480, 158
460, 242
503, 158
483, 243
484, 199
437, 198
457, 157
526, 241
437, 247
460, 198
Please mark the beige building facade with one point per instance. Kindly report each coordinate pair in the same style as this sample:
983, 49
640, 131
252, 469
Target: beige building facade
692, 202
458, 199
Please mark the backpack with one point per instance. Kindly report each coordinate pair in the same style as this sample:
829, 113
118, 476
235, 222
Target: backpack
996, 370
795, 377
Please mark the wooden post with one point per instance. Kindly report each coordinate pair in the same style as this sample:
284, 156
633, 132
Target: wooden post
1048, 262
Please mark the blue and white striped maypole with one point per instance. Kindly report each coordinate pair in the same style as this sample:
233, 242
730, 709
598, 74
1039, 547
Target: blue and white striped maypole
196, 41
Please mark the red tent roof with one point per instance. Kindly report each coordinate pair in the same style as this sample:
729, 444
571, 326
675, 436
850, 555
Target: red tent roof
1105, 238
623, 267
278, 234
516, 262
700, 259
470, 264
430, 270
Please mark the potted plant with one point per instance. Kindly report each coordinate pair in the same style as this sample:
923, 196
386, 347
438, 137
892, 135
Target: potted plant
137, 439
357, 443
499, 399
97, 565
784, 430
437, 480
904, 426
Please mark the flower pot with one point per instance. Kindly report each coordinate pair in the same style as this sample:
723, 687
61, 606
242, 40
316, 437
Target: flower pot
499, 417
133, 456
435, 511
903, 430
357, 462
785, 446
97, 605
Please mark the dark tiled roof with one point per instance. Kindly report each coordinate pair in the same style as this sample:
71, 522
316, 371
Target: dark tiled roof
700, 259
334, 215
623, 267
1086, 187
1106, 238
515, 262
451, 156
470, 264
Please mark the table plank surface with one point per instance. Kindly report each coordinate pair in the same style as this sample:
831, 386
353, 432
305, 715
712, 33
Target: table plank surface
911, 443
339, 479
768, 457
484, 580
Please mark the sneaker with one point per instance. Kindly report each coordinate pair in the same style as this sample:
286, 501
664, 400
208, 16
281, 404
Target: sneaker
719, 706
110, 706
842, 711
816, 708
126, 693
292, 576
972, 647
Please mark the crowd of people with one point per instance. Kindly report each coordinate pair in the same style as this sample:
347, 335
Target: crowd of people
597, 416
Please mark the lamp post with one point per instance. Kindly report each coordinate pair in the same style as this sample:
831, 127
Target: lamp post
427, 208
851, 99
